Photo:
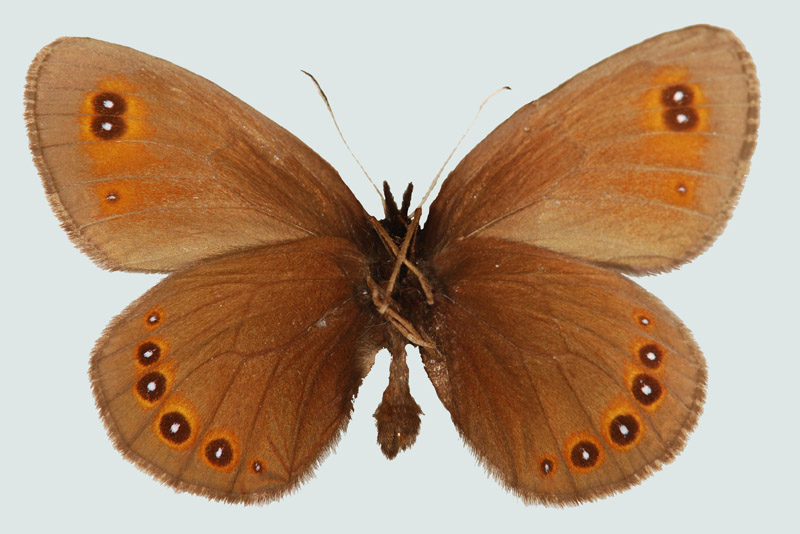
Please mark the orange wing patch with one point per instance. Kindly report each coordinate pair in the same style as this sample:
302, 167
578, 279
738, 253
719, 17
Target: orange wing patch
112, 115
126, 195
669, 186
675, 109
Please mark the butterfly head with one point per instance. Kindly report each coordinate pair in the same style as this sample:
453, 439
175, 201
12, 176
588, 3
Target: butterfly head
397, 220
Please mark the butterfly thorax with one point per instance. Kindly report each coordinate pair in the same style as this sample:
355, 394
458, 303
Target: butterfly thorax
395, 284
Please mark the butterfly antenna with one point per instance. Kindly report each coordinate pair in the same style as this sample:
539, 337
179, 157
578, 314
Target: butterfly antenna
438, 174
341, 135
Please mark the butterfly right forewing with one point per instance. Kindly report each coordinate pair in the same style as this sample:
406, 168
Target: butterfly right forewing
635, 163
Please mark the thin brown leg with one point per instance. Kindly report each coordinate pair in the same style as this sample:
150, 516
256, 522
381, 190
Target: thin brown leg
401, 256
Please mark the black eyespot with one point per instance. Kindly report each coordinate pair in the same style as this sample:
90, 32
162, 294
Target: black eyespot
547, 467
148, 353
677, 96
109, 104
651, 355
624, 429
257, 467
219, 452
153, 318
680, 119
151, 386
646, 389
108, 127
584, 454
175, 427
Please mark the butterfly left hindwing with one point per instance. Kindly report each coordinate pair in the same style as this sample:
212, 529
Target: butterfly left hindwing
234, 377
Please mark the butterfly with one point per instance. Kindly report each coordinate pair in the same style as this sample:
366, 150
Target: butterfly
236, 374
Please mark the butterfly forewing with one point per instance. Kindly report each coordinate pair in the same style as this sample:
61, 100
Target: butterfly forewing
568, 380
232, 378
151, 167
635, 163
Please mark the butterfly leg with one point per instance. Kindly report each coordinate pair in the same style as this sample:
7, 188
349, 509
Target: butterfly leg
402, 325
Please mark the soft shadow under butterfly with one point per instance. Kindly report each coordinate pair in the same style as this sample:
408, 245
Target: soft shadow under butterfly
235, 375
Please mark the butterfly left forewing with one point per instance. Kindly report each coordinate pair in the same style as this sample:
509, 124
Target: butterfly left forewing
233, 378
568, 381
151, 167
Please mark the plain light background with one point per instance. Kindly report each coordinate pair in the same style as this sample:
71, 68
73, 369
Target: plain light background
405, 80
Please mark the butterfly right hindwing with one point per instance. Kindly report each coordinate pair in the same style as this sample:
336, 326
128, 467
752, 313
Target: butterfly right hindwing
567, 380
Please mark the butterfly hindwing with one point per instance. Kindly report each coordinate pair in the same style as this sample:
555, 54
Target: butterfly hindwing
234, 377
567, 380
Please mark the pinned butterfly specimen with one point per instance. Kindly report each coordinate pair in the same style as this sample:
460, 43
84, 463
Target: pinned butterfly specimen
236, 374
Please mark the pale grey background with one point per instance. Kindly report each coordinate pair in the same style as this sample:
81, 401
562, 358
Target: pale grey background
405, 80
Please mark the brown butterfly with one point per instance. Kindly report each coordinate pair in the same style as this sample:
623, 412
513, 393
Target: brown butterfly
236, 374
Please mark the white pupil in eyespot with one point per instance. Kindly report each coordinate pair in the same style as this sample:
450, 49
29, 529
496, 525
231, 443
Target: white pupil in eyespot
108, 104
175, 428
106, 126
151, 386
